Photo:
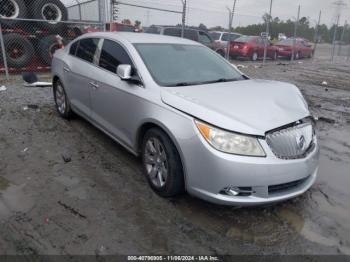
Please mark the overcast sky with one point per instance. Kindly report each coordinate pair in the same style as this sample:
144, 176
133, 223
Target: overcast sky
214, 12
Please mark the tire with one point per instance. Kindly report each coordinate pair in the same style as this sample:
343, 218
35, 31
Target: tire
255, 56
47, 47
61, 100
160, 154
52, 10
19, 50
13, 9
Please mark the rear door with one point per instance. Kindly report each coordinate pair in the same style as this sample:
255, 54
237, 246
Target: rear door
81, 70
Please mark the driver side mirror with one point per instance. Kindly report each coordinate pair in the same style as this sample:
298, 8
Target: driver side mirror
124, 72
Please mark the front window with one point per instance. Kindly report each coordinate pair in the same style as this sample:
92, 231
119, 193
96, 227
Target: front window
185, 65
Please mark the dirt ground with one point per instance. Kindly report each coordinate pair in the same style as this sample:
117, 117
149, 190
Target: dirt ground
66, 188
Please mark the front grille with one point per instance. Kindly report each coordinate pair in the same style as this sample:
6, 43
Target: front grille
286, 186
293, 142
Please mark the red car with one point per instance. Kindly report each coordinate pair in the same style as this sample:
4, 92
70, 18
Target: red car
303, 48
252, 47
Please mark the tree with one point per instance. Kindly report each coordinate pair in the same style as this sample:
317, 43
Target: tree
202, 27
126, 21
266, 18
137, 24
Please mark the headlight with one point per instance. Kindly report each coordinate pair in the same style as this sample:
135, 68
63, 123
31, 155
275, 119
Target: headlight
229, 142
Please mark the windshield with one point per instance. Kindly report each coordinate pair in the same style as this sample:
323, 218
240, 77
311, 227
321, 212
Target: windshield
183, 65
244, 39
215, 36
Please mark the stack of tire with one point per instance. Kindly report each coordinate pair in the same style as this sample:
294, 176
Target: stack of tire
20, 51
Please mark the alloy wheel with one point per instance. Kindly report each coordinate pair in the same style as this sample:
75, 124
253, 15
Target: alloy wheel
156, 162
61, 99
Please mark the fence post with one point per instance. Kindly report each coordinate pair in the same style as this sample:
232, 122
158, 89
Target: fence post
316, 38
335, 38
3, 51
184, 6
267, 33
295, 34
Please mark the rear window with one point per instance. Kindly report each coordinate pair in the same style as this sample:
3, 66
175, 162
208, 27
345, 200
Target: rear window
245, 39
153, 30
126, 28
172, 32
230, 37
87, 48
73, 48
215, 36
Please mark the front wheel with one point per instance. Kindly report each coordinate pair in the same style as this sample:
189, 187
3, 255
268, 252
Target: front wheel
162, 164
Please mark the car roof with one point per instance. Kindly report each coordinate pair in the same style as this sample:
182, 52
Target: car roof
138, 38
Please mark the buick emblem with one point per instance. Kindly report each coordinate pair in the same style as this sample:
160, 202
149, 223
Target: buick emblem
300, 142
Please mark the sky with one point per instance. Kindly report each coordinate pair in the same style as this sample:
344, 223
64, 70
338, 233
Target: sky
214, 12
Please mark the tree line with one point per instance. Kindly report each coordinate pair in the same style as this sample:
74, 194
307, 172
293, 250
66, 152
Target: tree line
305, 29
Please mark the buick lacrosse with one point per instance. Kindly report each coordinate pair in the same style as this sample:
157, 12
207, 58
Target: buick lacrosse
198, 123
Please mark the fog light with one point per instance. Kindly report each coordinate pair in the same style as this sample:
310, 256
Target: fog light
237, 191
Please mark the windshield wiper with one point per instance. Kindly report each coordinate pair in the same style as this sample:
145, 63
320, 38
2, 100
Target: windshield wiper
221, 80
183, 84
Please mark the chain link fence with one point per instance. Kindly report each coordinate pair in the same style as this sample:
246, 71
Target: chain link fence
30, 32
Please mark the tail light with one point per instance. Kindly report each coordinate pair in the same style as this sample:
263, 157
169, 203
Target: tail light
245, 47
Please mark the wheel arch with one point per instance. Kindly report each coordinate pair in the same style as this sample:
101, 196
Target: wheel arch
149, 124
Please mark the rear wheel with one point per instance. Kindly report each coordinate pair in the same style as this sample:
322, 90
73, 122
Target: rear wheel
162, 164
61, 100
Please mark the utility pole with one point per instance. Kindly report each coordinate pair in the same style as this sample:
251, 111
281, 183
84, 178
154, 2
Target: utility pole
342, 37
115, 10
335, 37
184, 8
295, 34
230, 21
267, 32
316, 33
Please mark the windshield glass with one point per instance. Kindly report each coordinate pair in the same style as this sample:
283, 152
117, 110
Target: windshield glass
182, 65
244, 39
215, 36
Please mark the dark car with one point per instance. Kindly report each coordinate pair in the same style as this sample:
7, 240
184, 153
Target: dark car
302, 48
252, 47
190, 33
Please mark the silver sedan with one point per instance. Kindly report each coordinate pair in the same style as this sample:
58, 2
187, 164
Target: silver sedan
199, 124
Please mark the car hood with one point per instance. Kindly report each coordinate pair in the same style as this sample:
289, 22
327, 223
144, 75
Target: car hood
250, 107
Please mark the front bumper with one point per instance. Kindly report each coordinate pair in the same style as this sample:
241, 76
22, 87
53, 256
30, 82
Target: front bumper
210, 171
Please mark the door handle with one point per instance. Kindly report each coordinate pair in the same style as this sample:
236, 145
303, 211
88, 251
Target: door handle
94, 85
66, 69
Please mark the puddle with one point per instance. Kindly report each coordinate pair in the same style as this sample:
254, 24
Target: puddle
13, 199
4, 183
